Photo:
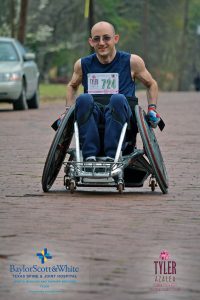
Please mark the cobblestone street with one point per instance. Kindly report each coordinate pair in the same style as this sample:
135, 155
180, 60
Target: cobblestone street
112, 239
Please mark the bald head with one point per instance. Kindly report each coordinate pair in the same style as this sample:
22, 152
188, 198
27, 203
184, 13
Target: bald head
103, 26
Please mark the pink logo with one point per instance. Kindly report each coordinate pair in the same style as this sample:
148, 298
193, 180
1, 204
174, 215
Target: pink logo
164, 255
165, 272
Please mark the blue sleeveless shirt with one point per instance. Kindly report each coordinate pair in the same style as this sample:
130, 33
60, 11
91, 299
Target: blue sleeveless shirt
120, 64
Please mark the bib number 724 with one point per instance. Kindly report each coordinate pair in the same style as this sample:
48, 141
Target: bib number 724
108, 84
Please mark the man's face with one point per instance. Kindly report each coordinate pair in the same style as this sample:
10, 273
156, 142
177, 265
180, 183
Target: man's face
103, 40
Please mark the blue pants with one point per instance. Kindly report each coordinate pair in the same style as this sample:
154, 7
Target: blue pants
89, 115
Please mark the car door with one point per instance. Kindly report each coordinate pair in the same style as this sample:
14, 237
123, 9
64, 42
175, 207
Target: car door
30, 72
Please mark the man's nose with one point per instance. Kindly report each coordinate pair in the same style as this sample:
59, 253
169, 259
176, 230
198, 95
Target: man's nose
101, 42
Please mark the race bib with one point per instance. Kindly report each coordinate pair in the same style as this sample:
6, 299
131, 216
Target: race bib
103, 83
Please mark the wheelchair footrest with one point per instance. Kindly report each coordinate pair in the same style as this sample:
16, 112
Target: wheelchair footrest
106, 181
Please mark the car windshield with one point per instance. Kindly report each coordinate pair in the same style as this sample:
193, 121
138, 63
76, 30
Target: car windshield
8, 52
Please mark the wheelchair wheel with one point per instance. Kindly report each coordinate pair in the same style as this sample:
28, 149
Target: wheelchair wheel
152, 149
120, 188
57, 151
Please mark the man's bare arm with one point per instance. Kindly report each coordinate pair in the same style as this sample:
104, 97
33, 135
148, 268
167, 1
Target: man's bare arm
140, 72
74, 83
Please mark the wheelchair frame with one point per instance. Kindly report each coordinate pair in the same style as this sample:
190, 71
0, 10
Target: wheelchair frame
126, 171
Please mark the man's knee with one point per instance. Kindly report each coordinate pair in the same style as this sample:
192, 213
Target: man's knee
84, 101
84, 108
117, 100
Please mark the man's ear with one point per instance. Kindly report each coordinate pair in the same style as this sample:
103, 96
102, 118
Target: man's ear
90, 42
116, 38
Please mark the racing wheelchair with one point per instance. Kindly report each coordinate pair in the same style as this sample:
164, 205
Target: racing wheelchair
129, 169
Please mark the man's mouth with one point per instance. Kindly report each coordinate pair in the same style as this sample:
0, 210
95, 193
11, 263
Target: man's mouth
103, 47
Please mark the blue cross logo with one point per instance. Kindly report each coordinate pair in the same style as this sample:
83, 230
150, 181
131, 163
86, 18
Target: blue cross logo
44, 255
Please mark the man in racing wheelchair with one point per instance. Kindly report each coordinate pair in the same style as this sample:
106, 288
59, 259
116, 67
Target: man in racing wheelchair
111, 74
107, 119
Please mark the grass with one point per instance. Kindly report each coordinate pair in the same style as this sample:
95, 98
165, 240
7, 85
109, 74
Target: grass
49, 92
52, 91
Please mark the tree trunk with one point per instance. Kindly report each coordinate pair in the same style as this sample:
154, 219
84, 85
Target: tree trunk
183, 47
12, 17
22, 20
91, 19
145, 31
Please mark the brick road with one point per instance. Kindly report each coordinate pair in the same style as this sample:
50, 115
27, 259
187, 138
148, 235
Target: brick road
113, 239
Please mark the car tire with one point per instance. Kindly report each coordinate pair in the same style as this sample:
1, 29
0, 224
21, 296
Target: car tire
34, 101
21, 103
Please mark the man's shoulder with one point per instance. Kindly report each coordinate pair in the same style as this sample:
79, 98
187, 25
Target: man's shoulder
137, 63
124, 53
123, 56
136, 57
88, 58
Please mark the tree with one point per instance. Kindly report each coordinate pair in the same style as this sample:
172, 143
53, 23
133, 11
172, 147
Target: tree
183, 47
91, 19
12, 17
22, 20
145, 31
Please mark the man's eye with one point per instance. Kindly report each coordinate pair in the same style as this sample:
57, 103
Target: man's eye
106, 38
96, 39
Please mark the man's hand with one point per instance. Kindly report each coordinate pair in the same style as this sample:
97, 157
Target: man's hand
57, 123
152, 115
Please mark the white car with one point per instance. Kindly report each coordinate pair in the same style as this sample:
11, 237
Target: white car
19, 75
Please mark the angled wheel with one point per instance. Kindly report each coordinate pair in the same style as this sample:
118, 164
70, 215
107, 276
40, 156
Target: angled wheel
120, 188
57, 151
72, 187
153, 185
152, 149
